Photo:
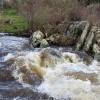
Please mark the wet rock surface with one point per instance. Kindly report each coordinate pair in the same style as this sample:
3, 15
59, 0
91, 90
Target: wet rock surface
36, 38
44, 43
85, 36
97, 57
89, 40
50, 57
88, 37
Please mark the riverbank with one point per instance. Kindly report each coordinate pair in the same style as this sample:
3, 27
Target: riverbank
11, 22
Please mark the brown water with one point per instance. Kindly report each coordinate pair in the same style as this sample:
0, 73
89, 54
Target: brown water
39, 74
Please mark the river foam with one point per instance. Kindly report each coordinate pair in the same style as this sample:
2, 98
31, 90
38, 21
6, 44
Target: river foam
71, 81
63, 75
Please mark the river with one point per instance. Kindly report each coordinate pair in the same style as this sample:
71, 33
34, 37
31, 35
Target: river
54, 73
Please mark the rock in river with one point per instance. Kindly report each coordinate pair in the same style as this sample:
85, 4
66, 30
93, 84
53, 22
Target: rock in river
44, 43
97, 57
36, 38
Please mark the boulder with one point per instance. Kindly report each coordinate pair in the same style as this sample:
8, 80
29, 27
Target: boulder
83, 36
97, 56
80, 24
72, 30
44, 43
36, 38
50, 39
77, 31
50, 57
98, 39
61, 39
96, 48
55, 39
96, 45
75, 27
90, 38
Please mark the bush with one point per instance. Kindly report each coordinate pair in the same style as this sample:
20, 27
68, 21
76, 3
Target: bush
30, 11
75, 11
7, 4
37, 13
88, 2
50, 15
94, 14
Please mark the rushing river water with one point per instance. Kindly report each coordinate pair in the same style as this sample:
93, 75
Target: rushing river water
57, 73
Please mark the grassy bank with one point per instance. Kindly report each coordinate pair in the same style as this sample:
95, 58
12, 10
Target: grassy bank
11, 22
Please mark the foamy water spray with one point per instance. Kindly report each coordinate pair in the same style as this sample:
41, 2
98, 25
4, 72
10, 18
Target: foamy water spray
63, 75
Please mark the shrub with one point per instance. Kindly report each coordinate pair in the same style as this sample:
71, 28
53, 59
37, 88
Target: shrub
94, 14
75, 11
7, 4
37, 13
16, 4
66, 13
28, 11
51, 16
88, 2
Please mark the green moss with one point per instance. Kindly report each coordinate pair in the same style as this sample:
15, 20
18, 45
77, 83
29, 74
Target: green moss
17, 24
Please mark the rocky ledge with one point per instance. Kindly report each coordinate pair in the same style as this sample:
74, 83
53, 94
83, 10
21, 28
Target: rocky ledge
81, 34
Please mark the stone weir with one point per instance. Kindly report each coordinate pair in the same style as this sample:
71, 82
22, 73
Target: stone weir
81, 34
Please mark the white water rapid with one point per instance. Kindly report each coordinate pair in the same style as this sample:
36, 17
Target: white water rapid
55, 72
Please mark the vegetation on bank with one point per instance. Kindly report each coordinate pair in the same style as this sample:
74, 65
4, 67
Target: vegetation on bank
11, 22
49, 16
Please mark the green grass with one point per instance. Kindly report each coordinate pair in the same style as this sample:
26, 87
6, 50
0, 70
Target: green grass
11, 27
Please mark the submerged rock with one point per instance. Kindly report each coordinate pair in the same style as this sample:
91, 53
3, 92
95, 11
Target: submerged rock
50, 57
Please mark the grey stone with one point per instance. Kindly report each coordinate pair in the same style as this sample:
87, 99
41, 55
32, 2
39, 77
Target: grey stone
96, 48
97, 57
81, 24
74, 27
50, 57
36, 38
90, 38
83, 36
51, 38
54, 39
98, 39
44, 43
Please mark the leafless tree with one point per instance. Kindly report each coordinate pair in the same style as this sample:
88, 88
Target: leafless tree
28, 11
